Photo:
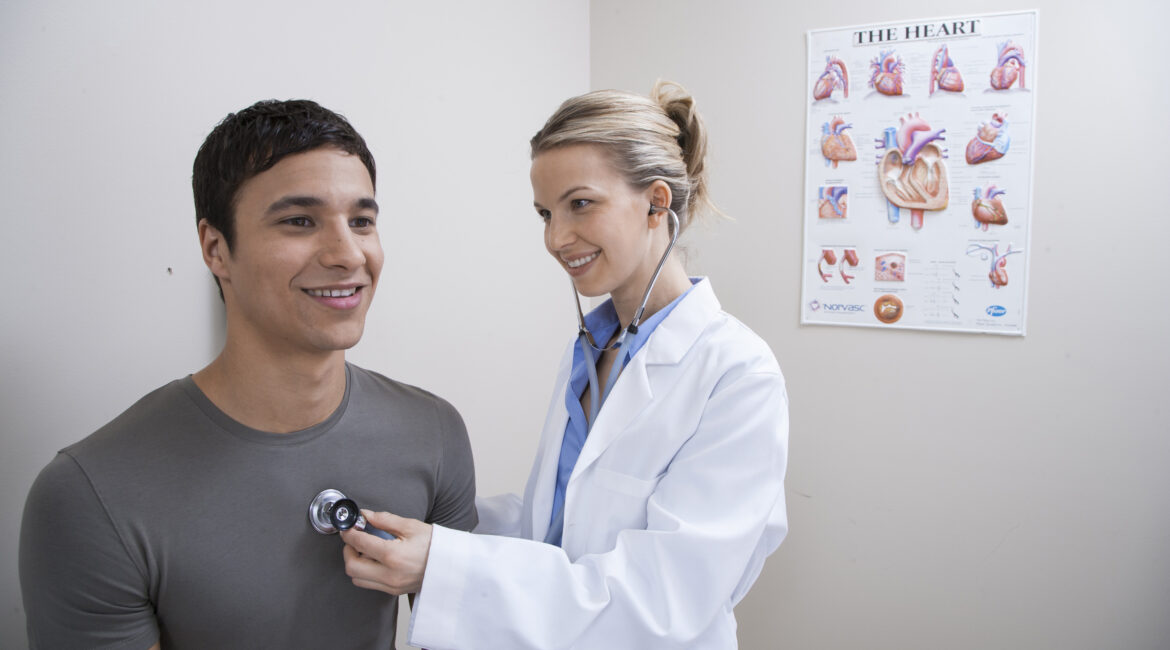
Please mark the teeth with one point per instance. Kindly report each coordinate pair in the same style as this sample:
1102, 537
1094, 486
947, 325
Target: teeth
584, 260
331, 293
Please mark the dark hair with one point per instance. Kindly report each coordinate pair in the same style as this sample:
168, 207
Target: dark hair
251, 141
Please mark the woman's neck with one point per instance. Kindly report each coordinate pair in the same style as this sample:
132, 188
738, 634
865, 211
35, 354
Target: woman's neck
672, 283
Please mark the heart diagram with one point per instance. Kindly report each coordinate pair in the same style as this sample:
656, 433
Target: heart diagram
943, 72
887, 73
987, 208
911, 172
991, 141
835, 77
1009, 67
998, 274
832, 202
836, 145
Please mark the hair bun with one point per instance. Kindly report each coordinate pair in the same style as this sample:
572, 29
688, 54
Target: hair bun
679, 106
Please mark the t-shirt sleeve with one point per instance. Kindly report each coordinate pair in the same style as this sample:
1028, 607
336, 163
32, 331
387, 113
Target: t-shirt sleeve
81, 587
454, 505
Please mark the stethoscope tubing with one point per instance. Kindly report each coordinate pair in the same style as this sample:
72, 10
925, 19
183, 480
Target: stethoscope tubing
585, 338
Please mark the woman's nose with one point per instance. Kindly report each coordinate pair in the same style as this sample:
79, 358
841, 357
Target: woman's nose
557, 233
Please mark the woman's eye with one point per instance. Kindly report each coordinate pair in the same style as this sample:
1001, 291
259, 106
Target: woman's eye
577, 204
544, 214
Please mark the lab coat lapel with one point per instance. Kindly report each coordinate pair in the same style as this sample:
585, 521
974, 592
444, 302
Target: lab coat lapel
548, 455
631, 393
635, 386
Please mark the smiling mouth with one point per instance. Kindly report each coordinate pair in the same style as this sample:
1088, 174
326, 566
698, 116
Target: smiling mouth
581, 261
331, 293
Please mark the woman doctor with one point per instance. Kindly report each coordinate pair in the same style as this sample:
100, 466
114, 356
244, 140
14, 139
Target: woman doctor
657, 490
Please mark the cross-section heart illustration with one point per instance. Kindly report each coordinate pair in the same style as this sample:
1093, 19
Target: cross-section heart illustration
912, 174
832, 202
890, 267
1009, 66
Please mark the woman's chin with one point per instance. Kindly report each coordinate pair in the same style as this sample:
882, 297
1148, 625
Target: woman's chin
589, 289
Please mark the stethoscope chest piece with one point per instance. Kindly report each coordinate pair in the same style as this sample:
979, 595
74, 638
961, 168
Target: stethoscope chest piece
331, 511
321, 511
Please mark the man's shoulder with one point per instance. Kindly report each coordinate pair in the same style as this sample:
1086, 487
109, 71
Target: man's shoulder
371, 386
168, 402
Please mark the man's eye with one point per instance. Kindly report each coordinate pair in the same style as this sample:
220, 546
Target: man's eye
303, 222
362, 222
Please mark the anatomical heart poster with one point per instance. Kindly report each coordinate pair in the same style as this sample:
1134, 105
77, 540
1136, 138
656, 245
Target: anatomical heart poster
918, 175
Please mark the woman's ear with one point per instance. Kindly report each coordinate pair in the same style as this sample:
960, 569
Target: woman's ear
660, 196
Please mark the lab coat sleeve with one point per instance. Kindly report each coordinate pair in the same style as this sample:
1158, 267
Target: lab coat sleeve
499, 515
662, 587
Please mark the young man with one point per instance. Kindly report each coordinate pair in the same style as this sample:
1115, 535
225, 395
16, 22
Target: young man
183, 522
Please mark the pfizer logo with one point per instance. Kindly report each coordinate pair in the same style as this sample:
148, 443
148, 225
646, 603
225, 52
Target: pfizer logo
996, 311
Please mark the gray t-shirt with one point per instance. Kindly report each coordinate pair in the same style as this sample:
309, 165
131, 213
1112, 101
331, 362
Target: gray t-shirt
175, 523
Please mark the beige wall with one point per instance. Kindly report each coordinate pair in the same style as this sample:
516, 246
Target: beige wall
104, 105
1012, 494
946, 490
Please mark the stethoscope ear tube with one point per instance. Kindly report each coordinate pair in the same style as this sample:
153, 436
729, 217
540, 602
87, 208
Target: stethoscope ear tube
586, 338
633, 326
331, 511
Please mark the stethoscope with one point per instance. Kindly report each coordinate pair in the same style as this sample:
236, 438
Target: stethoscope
585, 338
331, 512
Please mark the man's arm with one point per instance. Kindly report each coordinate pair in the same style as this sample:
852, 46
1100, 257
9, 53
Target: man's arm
80, 586
454, 505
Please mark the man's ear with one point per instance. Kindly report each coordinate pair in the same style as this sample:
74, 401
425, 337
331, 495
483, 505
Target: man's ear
660, 196
215, 250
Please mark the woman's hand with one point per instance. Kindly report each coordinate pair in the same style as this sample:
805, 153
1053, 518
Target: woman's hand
395, 566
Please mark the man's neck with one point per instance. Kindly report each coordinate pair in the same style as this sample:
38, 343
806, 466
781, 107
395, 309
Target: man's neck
274, 393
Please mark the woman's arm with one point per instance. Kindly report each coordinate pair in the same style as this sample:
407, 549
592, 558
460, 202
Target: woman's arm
712, 518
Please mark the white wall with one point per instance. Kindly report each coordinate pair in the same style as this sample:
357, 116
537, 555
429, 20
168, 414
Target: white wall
950, 491
104, 106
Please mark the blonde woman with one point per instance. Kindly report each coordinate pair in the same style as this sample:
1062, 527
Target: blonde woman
657, 490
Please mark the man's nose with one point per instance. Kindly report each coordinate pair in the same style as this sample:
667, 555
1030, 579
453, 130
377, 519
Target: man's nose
341, 248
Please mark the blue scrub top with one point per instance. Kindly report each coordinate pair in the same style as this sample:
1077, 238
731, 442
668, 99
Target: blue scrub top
602, 322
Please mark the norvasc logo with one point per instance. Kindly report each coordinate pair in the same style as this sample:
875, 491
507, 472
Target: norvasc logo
996, 310
838, 307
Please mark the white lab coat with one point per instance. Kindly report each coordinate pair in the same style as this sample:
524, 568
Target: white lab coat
675, 501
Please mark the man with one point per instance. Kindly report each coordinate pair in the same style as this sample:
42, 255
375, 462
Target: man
183, 522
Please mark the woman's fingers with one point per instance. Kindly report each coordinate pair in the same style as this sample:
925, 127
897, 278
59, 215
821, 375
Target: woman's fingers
394, 566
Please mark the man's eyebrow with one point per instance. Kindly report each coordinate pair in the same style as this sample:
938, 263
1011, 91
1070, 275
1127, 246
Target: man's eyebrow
312, 202
367, 204
294, 202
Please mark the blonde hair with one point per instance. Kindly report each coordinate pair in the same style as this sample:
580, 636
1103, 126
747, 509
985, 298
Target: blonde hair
660, 137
